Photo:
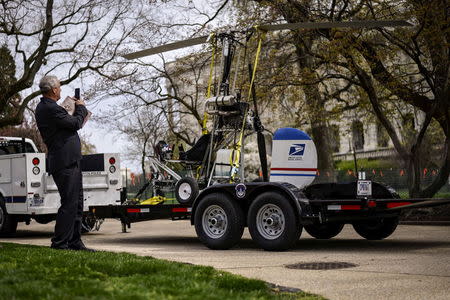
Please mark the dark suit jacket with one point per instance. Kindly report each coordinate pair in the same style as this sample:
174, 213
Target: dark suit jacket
59, 131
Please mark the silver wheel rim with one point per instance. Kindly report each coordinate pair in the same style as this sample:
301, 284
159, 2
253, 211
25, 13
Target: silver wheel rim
214, 221
1, 217
270, 221
185, 191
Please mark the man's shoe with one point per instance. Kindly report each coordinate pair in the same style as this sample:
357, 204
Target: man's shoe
59, 248
85, 249
81, 247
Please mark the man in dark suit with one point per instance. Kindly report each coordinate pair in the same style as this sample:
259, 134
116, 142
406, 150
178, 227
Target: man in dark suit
59, 131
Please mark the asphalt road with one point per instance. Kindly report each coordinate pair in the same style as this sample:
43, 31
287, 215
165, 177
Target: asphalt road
414, 263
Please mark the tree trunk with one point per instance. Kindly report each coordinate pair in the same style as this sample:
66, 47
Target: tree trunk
320, 133
315, 106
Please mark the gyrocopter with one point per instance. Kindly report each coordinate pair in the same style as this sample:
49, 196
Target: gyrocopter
213, 191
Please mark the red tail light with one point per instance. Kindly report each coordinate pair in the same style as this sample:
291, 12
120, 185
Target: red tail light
112, 160
36, 161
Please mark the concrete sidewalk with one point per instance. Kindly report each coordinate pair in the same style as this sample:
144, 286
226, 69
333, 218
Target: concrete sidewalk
414, 263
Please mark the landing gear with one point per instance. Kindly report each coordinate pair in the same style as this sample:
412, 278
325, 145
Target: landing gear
186, 190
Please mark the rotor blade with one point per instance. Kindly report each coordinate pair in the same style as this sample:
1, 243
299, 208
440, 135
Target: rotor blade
167, 47
323, 25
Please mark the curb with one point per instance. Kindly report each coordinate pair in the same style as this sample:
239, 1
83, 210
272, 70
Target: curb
428, 223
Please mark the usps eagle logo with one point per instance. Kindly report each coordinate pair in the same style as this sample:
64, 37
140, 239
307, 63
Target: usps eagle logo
297, 150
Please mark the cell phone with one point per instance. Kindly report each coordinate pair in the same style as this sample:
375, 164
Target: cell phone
77, 93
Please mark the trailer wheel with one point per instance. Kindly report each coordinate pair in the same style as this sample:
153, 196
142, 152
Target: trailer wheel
324, 231
8, 223
219, 221
186, 190
376, 229
272, 222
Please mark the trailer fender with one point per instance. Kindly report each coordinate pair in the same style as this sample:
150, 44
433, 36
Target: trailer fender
245, 193
204, 193
347, 190
291, 192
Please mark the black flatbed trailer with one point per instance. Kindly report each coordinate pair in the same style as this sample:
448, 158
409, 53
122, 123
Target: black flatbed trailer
276, 213
137, 213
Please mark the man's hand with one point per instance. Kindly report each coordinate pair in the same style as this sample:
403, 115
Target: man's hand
80, 102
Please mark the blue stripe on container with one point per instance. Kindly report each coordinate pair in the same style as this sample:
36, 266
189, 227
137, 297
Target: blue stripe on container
290, 134
18, 199
293, 175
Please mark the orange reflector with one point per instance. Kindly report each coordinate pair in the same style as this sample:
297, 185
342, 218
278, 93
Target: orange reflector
344, 207
350, 207
180, 209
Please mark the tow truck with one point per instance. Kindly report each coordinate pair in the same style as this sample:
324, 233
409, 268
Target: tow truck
28, 192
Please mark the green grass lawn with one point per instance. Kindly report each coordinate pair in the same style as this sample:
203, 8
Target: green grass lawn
32, 272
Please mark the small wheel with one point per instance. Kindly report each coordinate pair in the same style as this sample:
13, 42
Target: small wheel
272, 222
219, 221
87, 223
376, 229
324, 231
8, 223
186, 190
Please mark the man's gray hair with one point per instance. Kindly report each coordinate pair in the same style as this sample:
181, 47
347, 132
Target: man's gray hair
47, 83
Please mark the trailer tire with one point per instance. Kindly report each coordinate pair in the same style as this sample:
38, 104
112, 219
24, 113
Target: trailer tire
8, 223
324, 231
272, 222
219, 221
186, 190
376, 229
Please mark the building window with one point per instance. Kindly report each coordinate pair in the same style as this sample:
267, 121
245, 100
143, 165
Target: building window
358, 135
335, 138
408, 123
382, 136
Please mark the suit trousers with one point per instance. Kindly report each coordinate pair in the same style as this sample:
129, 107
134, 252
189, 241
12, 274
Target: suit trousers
68, 219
